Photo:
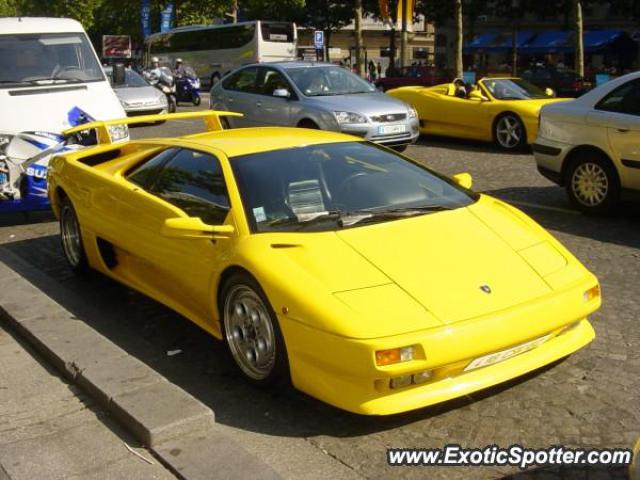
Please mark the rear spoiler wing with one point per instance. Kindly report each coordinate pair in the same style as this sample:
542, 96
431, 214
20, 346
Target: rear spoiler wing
211, 121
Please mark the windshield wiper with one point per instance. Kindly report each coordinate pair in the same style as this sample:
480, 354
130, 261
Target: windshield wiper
311, 220
366, 216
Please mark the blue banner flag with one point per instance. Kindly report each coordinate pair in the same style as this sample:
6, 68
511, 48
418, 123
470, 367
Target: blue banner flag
145, 17
166, 17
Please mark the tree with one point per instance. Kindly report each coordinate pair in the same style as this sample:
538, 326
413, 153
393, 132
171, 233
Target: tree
358, 24
81, 10
8, 8
579, 39
325, 15
283, 10
459, 38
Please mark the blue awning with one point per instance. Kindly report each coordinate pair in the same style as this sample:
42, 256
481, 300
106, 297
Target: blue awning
496, 42
561, 41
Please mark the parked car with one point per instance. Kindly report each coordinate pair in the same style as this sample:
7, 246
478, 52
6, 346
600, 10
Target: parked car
414, 75
366, 279
315, 95
564, 82
590, 145
136, 95
502, 110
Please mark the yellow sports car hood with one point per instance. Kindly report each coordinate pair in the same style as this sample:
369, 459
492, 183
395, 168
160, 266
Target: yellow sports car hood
462, 263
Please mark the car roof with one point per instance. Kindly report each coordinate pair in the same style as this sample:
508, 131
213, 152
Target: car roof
295, 64
18, 25
244, 141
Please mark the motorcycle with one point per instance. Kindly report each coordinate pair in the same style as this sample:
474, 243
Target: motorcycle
24, 158
188, 86
162, 78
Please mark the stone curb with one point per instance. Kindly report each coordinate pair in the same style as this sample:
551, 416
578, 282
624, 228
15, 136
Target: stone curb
177, 428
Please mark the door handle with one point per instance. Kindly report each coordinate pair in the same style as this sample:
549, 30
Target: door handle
258, 103
230, 99
622, 130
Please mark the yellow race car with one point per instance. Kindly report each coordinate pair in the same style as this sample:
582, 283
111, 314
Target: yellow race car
364, 278
500, 110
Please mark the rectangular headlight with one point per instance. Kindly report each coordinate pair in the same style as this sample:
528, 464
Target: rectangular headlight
118, 132
413, 113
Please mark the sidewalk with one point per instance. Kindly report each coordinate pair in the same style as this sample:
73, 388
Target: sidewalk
50, 429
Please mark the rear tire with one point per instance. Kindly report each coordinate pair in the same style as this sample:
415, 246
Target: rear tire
71, 238
592, 183
252, 333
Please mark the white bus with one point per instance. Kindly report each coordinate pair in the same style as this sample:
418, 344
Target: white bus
215, 50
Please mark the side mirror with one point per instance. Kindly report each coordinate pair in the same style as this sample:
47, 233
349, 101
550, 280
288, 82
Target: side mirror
281, 93
463, 179
549, 92
194, 227
477, 95
118, 75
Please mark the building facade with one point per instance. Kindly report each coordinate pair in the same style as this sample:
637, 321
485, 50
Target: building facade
376, 38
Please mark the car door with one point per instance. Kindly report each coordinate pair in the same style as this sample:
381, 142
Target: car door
460, 117
239, 94
272, 110
620, 110
177, 271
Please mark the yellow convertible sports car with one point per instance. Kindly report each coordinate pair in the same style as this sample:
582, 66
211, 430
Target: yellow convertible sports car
364, 278
502, 110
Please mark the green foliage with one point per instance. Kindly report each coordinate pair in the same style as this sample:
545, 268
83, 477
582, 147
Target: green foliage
81, 10
8, 8
279, 10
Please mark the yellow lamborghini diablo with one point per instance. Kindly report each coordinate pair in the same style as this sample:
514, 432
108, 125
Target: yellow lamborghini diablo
365, 279
500, 110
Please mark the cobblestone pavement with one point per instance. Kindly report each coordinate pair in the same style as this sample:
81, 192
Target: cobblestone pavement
591, 399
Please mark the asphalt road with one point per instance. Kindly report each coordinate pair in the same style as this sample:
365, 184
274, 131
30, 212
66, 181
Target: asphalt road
589, 400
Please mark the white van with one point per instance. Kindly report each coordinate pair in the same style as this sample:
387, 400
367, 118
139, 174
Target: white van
50, 80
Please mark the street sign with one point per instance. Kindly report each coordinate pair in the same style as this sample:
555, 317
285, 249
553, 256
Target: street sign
318, 39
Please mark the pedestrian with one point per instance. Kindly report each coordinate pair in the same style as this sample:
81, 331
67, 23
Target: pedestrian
372, 71
379, 68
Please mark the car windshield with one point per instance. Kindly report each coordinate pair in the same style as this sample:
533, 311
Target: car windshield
328, 80
338, 185
513, 89
47, 58
131, 79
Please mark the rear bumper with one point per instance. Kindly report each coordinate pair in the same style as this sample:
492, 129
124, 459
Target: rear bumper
549, 157
342, 371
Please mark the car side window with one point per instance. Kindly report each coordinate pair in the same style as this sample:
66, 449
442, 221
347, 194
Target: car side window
272, 80
145, 174
624, 99
242, 81
193, 181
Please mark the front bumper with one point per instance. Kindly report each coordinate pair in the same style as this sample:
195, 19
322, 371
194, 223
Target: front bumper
372, 132
342, 371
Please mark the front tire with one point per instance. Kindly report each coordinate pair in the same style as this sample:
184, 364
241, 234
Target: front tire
173, 103
251, 331
400, 148
592, 183
509, 132
71, 238
197, 100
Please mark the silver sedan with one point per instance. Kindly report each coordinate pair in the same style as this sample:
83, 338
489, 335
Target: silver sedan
137, 96
314, 95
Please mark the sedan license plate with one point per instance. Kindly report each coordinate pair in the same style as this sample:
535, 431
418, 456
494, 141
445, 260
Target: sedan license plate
391, 129
497, 357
